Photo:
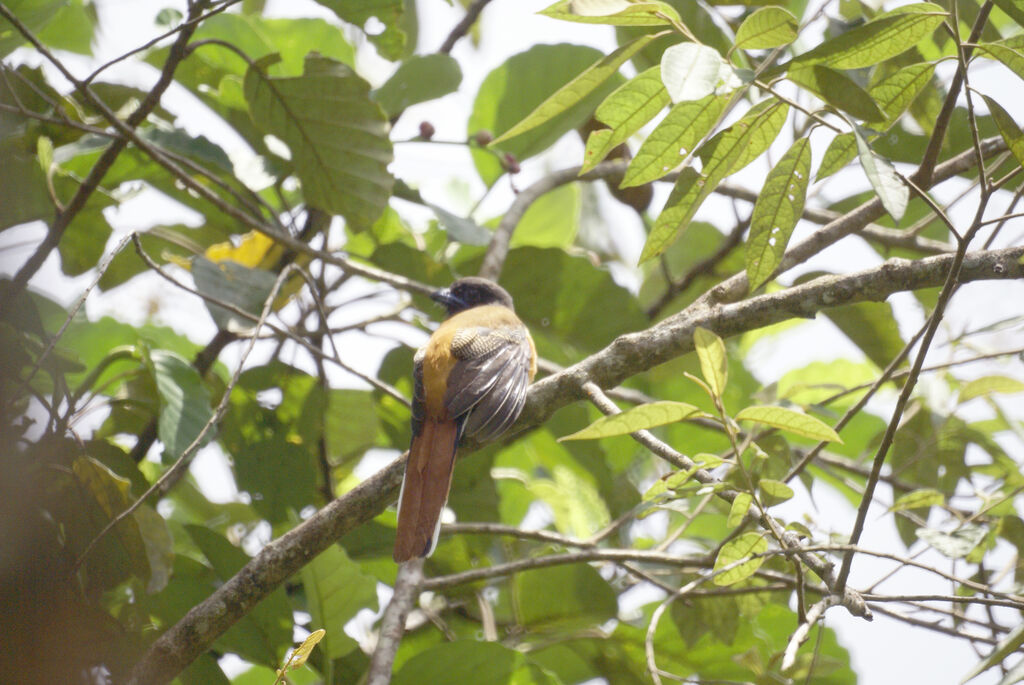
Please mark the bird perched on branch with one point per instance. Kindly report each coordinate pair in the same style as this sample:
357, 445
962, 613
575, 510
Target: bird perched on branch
470, 380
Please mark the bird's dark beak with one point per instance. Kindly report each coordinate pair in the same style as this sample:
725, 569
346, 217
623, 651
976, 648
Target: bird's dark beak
445, 298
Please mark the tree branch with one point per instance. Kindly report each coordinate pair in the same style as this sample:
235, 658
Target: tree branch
626, 356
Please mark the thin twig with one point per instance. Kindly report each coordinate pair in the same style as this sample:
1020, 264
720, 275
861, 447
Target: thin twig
392, 623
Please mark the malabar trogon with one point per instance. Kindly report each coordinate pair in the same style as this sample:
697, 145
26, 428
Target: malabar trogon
470, 380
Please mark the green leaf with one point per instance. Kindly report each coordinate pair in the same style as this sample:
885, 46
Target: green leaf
614, 12
577, 506
72, 28
1008, 129
113, 494
338, 137
957, 544
778, 208
768, 27
629, 107
673, 139
840, 152
184, 402
692, 72
990, 384
552, 221
1006, 647
569, 597
1011, 58
745, 546
872, 327
893, 193
919, 499
726, 153
791, 421
710, 351
517, 87
23, 194
391, 42
470, 661
838, 90
896, 92
336, 589
739, 509
418, 79
573, 92
886, 36
34, 14
263, 634
230, 282
774, 491
638, 418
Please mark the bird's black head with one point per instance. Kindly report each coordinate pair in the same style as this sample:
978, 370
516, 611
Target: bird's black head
470, 292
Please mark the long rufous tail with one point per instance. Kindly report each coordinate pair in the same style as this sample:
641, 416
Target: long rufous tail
428, 477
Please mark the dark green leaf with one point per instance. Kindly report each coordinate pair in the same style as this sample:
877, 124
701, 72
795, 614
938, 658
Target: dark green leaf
391, 42
837, 90
569, 597
184, 402
418, 79
337, 135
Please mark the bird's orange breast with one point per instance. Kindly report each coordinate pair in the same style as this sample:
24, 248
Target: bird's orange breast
438, 359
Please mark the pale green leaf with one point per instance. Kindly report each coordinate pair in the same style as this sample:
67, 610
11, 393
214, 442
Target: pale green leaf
791, 421
613, 12
638, 418
1006, 647
739, 508
893, 193
777, 211
768, 27
990, 384
578, 88
713, 360
628, 108
746, 546
1008, 129
336, 589
886, 36
1011, 58
918, 499
775, 491
897, 91
726, 153
302, 652
839, 153
673, 139
957, 544
338, 137
690, 71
